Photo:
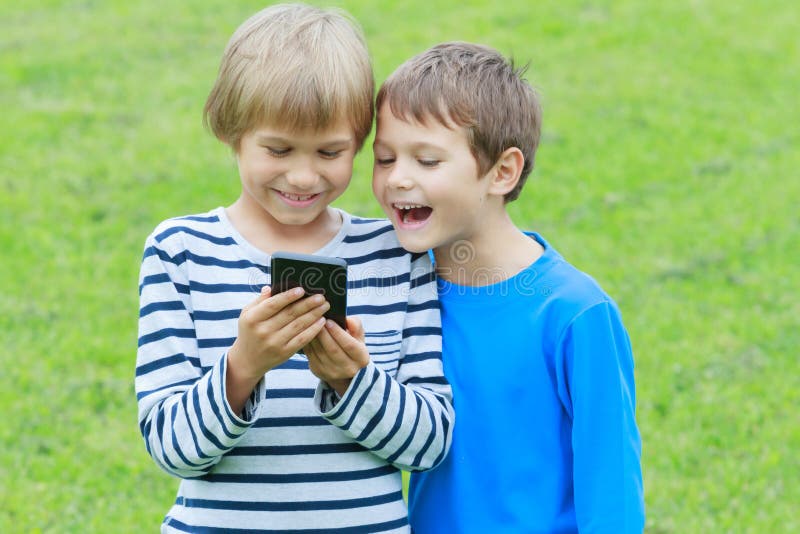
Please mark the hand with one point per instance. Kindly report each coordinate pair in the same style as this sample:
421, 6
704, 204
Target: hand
271, 329
336, 355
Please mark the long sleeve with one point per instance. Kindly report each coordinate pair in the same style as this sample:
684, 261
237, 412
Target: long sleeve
598, 390
184, 416
279, 464
406, 419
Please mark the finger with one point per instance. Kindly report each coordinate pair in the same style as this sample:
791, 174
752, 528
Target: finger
310, 304
355, 349
312, 349
339, 334
295, 325
355, 328
263, 294
312, 353
329, 350
272, 305
278, 301
306, 335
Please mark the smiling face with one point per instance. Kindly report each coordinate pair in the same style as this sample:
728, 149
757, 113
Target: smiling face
290, 178
426, 180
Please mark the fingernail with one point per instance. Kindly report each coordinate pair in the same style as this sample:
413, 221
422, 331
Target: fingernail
298, 291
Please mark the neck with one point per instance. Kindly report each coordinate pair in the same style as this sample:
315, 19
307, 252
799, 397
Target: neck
495, 252
264, 232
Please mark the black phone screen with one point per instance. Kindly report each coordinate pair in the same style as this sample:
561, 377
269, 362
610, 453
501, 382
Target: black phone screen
322, 275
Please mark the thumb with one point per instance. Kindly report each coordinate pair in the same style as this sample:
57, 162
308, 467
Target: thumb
263, 295
355, 328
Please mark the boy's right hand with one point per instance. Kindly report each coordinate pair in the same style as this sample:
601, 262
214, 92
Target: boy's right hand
271, 330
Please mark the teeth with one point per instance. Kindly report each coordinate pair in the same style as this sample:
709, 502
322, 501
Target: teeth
297, 197
408, 206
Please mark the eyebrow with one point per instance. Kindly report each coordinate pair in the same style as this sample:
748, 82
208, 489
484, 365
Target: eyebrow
413, 146
277, 139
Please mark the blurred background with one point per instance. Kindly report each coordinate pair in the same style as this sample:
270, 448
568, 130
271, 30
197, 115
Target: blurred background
668, 171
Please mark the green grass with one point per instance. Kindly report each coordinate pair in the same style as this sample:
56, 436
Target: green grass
668, 171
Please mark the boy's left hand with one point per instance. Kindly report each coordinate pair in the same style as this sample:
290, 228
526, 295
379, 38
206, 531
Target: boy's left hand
336, 355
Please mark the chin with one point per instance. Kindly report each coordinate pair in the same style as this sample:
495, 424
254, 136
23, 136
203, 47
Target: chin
413, 243
412, 247
298, 219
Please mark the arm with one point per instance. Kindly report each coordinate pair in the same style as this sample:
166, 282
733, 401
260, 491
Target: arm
190, 417
406, 419
184, 417
599, 391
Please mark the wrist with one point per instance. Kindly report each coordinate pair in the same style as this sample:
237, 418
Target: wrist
238, 385
340, 386
241, 368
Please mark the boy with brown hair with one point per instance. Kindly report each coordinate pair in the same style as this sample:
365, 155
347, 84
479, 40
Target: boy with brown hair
540, 364
263, 437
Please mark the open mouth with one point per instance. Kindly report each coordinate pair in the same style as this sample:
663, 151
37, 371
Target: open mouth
412, 215
297, 200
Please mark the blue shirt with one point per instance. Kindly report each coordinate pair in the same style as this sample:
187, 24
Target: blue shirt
545, 438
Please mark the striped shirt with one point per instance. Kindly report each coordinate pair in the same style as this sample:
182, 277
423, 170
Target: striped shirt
296, 459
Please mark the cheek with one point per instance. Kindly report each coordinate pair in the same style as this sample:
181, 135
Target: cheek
245, 172
343, 171
377, 183
252, 168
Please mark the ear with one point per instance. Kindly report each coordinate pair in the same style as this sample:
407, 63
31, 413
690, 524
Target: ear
506, 171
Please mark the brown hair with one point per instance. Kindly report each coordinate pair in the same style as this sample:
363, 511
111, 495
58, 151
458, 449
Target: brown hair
474, 87
295, 66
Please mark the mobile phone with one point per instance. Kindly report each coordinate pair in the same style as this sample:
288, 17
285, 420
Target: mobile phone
323, 275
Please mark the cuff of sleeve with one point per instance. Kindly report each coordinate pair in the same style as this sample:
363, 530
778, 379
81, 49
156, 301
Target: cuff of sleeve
250, 410
325, 397
362, 400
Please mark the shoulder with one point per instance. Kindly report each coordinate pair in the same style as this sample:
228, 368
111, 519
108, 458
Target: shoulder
372, 231
370, 239
582, 318
569, 292
197, 229
573, 288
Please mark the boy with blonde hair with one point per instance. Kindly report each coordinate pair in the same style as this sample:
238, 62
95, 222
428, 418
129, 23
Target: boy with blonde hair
226, 401
539, 361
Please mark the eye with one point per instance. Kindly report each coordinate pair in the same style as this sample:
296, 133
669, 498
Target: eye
428, 162
278, 151
384, 162
330, 154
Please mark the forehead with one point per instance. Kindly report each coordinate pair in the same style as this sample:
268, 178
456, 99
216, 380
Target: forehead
394, 129
340, 130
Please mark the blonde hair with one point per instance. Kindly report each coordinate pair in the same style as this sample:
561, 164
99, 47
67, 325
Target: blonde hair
471, 86
295, 66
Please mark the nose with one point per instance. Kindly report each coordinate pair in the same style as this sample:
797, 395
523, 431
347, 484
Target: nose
398, 177
302, 175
